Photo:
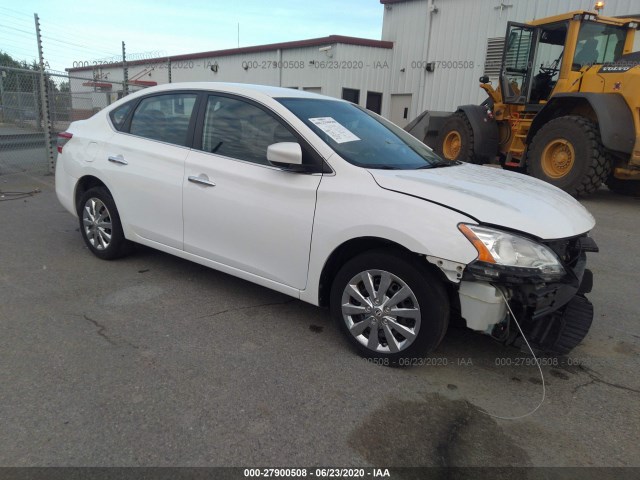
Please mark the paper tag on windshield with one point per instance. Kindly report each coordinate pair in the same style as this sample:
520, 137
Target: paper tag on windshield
337, 132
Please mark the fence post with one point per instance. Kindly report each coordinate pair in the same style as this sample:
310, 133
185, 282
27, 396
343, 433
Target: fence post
36, 90
2, 74
125, 72
44, 97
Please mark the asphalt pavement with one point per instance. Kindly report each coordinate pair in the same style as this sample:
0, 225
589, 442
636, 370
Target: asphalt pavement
155, 361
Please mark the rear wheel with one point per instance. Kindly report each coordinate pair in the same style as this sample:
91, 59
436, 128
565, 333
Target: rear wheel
455, 139
100, 224
624, 187
568, 153
388, 307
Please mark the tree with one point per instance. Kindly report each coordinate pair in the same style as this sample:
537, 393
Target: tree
18, 81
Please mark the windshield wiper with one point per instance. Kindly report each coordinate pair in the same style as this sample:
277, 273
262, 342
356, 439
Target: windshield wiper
441, 164
378, 167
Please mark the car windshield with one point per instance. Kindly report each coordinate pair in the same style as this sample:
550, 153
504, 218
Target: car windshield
361, 137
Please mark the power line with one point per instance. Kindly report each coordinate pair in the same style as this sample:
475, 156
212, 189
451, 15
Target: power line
19, 50
16, 11
12, 40
4, 15
17, 29
76, 45
70, 38
83, 48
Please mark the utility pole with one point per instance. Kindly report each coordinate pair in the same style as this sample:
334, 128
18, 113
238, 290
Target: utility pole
125, 72
44, 98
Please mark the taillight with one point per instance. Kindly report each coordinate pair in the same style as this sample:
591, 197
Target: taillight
63, 138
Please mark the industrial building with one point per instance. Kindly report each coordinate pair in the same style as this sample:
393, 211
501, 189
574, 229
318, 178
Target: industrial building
430, 56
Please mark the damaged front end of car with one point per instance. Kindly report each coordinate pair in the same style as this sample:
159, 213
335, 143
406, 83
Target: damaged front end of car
544, 283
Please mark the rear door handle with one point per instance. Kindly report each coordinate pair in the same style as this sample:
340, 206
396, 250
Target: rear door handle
202, 180
119, 159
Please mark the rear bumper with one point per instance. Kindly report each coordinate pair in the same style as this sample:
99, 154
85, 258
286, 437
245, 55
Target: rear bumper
65, 187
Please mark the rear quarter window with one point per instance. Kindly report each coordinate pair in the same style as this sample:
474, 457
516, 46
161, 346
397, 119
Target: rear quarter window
119, 115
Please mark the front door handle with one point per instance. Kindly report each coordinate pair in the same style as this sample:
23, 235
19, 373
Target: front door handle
119, 159
202, 180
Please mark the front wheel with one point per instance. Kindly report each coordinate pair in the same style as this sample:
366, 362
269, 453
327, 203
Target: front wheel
388, 307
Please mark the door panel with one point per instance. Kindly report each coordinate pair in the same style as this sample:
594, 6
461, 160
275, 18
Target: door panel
400, 109
146, 166
239, 210
517, 63
257, 219
148, 188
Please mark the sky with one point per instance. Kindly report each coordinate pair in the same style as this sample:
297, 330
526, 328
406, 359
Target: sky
75, 31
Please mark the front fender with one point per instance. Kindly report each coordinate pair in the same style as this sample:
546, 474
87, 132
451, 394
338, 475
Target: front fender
416, 224
614, 117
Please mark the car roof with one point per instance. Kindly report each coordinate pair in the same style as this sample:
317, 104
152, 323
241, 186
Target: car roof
246, 89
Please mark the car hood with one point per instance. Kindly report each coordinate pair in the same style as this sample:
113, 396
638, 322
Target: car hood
494, 196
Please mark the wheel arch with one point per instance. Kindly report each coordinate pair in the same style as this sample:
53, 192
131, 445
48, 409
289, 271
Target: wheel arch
613, 116
350, 249
84, 184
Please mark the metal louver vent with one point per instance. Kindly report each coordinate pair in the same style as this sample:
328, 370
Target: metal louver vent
493, 60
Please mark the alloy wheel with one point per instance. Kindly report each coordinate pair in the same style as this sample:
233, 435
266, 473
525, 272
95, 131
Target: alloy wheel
96, 220
381, 311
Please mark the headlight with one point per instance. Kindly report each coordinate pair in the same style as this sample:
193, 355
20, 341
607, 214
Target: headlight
519, 255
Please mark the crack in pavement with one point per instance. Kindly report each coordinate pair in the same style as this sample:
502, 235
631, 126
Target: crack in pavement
102, 329
236, 309
596, 379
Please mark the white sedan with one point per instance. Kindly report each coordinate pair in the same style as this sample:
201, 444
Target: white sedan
327, 202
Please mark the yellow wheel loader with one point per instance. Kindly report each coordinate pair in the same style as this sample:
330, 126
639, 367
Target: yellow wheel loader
566, 110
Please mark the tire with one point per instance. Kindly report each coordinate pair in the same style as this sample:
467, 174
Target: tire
624, 187
573, 327
424, 301
455, 139
100, 225
568, 153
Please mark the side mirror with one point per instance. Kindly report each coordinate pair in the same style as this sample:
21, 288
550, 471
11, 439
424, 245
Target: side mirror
484, 79
284, 154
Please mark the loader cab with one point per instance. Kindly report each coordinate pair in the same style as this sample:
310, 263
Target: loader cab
598, 44
532, 61
553, 53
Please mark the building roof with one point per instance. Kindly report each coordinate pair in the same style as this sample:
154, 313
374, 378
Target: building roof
311, 42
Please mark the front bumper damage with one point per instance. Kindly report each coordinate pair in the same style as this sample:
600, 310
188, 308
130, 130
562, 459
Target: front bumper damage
554, 315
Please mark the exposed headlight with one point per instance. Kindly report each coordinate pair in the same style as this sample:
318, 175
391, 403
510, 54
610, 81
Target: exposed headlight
520, 255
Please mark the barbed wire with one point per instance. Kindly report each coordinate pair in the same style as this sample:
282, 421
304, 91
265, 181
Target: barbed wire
60, 47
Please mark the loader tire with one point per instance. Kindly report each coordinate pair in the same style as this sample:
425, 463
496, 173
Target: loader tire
455, 139
567, 152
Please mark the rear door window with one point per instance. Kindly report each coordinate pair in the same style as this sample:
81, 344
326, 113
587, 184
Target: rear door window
164, 117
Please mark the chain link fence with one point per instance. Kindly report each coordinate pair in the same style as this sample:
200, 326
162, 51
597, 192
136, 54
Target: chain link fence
23, 126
